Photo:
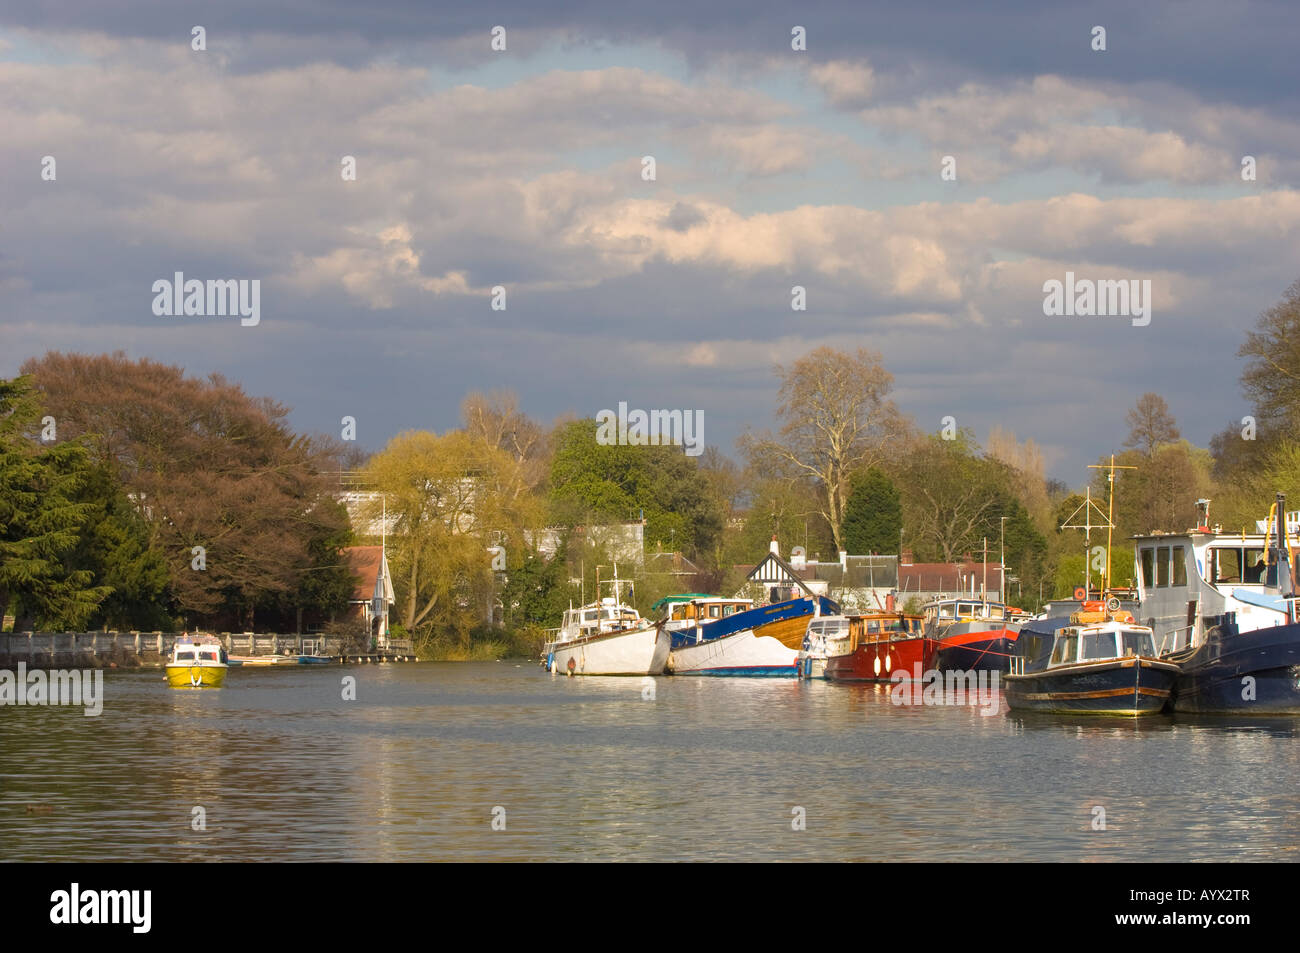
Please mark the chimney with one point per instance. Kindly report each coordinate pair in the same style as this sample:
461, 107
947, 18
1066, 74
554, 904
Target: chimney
905, 558
798, 558
775, 547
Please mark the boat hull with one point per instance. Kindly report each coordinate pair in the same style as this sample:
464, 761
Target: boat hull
810, 666
988, 651
640, 652
195, 676
740, 653
877, 661
1255, 672
1123, 687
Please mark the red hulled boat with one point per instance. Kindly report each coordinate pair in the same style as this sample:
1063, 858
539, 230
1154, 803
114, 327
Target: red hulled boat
880, 644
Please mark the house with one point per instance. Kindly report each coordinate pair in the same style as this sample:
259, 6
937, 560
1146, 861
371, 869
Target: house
857, 583
929, 581
867, 583
373, 592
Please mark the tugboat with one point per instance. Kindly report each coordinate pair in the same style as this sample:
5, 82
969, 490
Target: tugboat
198, 661
1223, 606
1093, 662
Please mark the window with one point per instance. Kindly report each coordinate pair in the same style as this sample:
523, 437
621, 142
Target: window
1162, 567
1063, 651
185, 656
1098, 645
1227, 564
1180, 566
1253, 566
1139, 643
715, 612
1148, 568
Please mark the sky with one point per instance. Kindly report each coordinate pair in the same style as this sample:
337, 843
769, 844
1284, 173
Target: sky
920, 170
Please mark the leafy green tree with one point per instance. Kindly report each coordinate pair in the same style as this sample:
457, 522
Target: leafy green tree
42, 517
537, 590
591, 482
873, 516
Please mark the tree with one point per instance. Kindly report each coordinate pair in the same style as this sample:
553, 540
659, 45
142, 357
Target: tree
495, 419
445, 496
1271, 379
873, 515
1151, 425
42, 517
593, 483
231, 495
836, 419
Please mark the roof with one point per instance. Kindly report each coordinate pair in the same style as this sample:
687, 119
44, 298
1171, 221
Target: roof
364, 563
944, 577
683, 597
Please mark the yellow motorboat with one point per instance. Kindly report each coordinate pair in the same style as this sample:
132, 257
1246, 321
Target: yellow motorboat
197, 662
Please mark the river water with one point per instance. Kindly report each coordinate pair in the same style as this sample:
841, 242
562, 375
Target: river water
432, 760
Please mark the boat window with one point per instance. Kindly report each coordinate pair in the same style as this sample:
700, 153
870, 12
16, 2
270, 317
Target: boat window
715, 612
1180, 566
1139, 643
965, 608
185, 656
995, 612
1254, 566
210, 656
1148, 568
945, 612
1063, 651
1162, 567
1227, 564
727, 610
1098, 645
590, 616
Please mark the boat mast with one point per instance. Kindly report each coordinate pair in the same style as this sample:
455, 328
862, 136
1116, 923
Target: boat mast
1110, 516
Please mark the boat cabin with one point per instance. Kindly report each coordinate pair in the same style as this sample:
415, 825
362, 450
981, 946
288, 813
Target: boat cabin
702, 610
1080, 643
598, 618
1188, 581
195, 651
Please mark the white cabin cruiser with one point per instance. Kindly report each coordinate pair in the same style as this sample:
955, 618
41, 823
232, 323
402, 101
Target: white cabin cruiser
607, 637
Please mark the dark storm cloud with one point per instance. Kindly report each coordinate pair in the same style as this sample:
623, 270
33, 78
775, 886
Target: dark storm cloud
1243, 53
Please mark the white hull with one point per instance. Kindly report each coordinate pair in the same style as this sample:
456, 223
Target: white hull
812, 666
640, 652
740, 654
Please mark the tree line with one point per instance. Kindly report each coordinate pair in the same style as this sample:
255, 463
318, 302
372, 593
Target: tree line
133, 496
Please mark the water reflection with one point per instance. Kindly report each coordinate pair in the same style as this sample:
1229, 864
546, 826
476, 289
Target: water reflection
591, 769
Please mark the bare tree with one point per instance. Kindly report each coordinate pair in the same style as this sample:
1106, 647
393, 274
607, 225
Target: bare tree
1151, 425
836, 419
1272, 378
496, 420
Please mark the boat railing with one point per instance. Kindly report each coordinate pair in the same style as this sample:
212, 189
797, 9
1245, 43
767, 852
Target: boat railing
1017, 665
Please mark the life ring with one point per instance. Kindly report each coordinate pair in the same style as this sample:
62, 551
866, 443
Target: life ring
572, 664
1112, 604
1080, 593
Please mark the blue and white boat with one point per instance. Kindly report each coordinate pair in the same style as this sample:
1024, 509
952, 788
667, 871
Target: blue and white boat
763, 640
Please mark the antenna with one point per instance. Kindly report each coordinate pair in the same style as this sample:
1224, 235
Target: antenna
1111, 467
1088, 507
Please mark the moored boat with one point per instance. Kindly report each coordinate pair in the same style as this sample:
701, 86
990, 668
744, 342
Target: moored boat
1223, 607
197, 661
973, 634
825, 637
755, 641
607, 637
1089, 663
880, 644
